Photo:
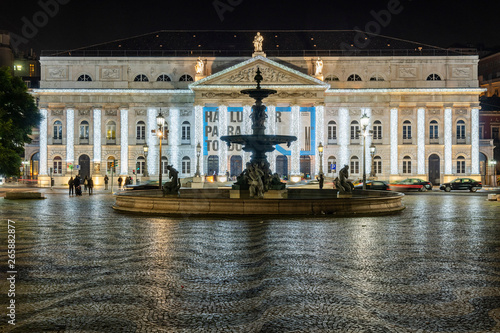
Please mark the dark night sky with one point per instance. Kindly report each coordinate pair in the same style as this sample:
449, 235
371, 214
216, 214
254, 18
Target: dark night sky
81, 23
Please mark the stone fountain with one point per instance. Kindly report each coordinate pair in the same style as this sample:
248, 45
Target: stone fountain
258, 143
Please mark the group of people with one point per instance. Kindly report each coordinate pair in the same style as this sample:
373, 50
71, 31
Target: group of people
128, 181
75, 185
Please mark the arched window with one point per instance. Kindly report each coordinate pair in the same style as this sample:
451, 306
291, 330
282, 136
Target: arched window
186, 165
460, 164
111, 131
354, 130
377, 165
84, 130
433, 130
354, 164
164, 78
331, 78
377, 77
433, 77
377, 130
460, 131
186, 133
332, 132
141, 78
186, 77
110, 165
84, 77
406, 130
57, 130
141, 130
57, 165
332, 164
407, 165
140, 165
354, 77
164, 164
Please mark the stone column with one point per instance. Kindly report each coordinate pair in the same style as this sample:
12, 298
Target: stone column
247, 129
369, 139
271, 129
421, 141
344, 130
174, 138
394, 141
222, 145
43, 142
124, 142
152, 142
320, 136
198, 135
474, 142
295, 147
448, 137
97, 138
70, 136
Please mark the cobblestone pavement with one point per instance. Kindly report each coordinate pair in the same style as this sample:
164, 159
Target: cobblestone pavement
84, 268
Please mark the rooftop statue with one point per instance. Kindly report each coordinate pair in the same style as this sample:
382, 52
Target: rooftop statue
257, 42
200, 65
319, 67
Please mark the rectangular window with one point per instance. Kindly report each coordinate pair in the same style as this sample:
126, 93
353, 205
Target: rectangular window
141, 132
354, 132
32, 70
406, 166
332, 132
377, 132
494, 133
186, 166
57, 167
460, 166
407, 132
378, 167
354, 166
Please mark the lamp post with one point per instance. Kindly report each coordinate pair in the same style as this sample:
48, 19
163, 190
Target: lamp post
145, 172
364, 124
373, 150
320, 151
160, 121
198, 152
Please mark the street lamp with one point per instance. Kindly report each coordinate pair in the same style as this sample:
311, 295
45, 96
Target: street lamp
198, 152
145, 172
160, 121
364, 124
320, 151
373, 150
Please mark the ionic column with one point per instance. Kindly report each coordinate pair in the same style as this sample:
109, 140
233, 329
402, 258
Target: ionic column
222, 145
70, 136
474, 141
295, 147
198, 134
320, 128
448, 137
344, 130
247, 129
43, 143
369, 139
271, 129
421, 141
124, 142
174, 138
152, 142
394, 141
97, 136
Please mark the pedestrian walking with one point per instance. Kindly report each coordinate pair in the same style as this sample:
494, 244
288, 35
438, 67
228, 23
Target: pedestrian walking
71, 184
90, 185
106, 179
131, 182
120, 180
321, 180
85, 183
78, 186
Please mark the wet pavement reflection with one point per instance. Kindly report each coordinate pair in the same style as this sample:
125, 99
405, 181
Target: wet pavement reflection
84, 268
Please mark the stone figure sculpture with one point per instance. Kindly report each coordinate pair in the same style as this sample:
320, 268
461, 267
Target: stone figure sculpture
173, 186
200, 65
319, 67
257, 42
255, 181
342, 183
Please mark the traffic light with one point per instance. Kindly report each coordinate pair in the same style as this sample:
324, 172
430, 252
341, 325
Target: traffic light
133, 172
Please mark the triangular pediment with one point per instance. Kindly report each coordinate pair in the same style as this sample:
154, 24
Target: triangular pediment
273, 73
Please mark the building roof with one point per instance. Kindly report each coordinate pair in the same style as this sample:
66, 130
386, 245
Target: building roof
276, 43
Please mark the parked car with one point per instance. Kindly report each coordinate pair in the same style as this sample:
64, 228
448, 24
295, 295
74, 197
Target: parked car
427, 186
373, 185
406, 185
461, 184
149, 185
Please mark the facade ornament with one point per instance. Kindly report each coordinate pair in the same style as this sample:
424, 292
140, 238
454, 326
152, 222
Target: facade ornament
57, 112
319, 67
199, 67
83, 112
110, 112
257, 42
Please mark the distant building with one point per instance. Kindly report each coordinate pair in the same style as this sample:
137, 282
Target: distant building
100, 104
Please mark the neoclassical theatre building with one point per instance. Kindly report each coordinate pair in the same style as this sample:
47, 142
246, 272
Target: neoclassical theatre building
100, 104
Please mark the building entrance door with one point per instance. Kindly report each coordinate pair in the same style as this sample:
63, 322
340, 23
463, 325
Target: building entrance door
213, 165
84, 163
282, 165
236, 164
434, 169
305, 166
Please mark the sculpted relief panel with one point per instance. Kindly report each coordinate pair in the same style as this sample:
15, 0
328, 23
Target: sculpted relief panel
461, 72
407, 72
270, 75
57, 73
110, 73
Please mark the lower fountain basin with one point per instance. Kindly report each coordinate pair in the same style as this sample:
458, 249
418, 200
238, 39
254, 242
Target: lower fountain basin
299, 202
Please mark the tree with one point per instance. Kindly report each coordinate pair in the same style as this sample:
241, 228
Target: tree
18, 115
